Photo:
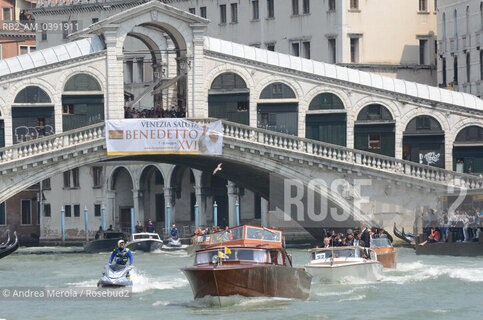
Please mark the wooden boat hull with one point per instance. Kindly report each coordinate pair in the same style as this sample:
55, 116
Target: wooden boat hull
459, 249
387, 258
366, 271
249, 281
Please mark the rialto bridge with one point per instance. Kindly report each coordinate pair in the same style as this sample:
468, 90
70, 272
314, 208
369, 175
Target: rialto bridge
295, 118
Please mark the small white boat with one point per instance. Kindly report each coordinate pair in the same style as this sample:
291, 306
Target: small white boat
145, 241
173, 245
344, 264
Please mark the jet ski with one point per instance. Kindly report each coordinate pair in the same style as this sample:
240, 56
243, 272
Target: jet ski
173, 244
115, 275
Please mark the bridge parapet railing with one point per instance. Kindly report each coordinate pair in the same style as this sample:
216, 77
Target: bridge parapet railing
52, 143
347, 155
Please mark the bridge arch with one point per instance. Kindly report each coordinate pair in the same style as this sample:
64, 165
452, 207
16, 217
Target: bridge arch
150, 185
424, 141
229, 98
121, 184
468, 149
82, 101
322, 125
375, 130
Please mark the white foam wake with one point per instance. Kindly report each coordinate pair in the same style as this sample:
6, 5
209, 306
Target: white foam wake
143, 282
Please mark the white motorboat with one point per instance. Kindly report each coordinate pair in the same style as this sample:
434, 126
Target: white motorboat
344, 264
145, 241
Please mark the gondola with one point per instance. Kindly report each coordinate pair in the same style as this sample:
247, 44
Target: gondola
9, 248
408, 237
5, 243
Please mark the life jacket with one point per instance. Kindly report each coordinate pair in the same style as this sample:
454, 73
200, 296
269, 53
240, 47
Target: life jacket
121, 256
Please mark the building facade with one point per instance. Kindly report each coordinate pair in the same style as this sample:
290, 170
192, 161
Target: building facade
346, 32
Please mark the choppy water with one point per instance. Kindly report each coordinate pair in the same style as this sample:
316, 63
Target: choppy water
423, 287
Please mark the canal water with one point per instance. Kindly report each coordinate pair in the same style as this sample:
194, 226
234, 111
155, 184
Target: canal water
422, 287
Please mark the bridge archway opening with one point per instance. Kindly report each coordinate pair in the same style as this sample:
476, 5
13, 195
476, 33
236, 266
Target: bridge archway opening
229, 98
183, 197
423, 141
82, 102
277, 109
32, 115
122, 185
151, 193
326, 119
375, 130
468, 150
155, 67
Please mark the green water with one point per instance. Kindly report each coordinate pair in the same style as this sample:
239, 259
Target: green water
423, 287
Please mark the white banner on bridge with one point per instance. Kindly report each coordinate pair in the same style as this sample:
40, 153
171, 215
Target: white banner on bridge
163, 136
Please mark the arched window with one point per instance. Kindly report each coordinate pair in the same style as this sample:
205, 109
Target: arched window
374, 112
228, 81
229, 98
455, 23
444, 26
277, 90
325, 101
32, 94
424, 124
82, 82
470, 134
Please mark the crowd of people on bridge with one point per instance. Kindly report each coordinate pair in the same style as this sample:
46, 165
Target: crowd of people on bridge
155, 112
463, 225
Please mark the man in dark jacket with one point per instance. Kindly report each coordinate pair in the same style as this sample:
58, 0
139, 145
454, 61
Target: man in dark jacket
365, 236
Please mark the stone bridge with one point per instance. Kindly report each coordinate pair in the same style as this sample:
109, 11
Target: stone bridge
358, 183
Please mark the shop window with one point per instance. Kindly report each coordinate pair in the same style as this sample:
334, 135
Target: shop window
374, 141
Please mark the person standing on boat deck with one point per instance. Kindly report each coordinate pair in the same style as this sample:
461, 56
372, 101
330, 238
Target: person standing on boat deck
327, 242
365, 236
150, 227
139, 227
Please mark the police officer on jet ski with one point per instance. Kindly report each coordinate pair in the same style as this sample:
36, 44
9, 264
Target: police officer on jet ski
121, 254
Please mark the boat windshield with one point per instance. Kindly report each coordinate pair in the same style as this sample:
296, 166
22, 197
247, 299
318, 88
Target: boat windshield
254, 255
336, 253
230, 235
146, 236
263, 234
381, 242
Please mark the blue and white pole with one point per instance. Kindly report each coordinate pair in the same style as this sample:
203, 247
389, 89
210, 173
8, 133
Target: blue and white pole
215, 214
103, 213
132, 220
196, 215
237, 211
86, 225
62, 223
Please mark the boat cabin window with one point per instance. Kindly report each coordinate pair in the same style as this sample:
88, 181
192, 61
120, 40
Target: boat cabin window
320, 255
141, 236
263, 234
381, 242
230, 235
259, 256
276, 257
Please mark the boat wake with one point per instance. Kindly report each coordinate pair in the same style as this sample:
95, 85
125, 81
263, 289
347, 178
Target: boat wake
355, 298
417, 272
142, 282
239, 304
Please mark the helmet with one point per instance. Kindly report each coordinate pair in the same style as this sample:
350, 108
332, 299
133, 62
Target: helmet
120, 242
174, 226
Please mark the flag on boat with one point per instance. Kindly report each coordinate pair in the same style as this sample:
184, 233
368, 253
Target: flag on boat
227, 251
221, 255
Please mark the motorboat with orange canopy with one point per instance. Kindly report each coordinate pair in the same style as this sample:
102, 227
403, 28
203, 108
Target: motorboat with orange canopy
247, 261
